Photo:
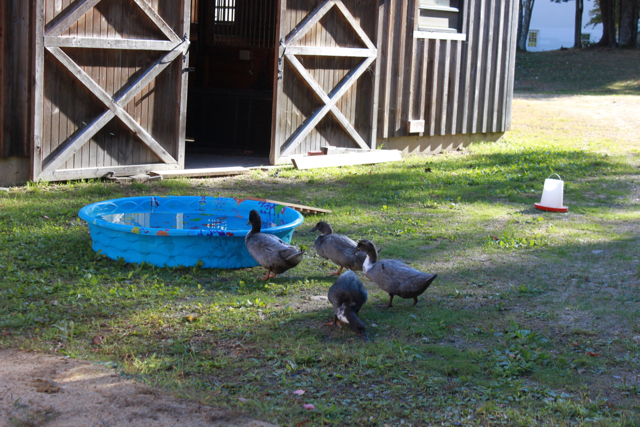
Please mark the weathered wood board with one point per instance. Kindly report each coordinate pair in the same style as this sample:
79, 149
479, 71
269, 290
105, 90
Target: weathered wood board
364, 158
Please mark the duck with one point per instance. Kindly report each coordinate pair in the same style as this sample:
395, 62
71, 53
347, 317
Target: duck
269, 250
337, 248
348, 295
393, 276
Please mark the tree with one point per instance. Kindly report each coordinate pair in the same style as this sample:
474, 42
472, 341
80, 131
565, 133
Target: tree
524, 20
625, 14
577, 31
628, 23
608, 16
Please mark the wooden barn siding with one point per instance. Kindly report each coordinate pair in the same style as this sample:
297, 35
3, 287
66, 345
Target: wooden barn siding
16, 84
69, 107
300, 101
457, 87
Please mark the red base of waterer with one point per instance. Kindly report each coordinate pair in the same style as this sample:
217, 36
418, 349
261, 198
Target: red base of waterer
547, 208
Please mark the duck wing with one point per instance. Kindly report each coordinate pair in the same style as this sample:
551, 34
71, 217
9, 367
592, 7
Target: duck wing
340, 249
397, 278
270, 251
348, 290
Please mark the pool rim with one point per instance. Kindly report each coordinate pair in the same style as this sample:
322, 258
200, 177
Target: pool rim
85, 215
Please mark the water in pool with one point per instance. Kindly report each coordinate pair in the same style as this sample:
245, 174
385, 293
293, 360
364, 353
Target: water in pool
181, 221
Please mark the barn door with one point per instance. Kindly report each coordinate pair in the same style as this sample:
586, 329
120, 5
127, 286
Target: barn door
110, 87
324, 94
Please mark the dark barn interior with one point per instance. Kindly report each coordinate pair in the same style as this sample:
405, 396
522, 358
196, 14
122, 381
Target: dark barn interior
232, 54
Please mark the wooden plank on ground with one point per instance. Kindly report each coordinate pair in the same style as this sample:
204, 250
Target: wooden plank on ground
299, 208
201, 173
362, 158
331, 150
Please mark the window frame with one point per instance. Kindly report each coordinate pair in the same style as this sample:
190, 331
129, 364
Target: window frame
225, 8
434, 33
537, 33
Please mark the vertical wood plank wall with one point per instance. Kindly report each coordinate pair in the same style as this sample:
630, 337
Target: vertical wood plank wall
69, 107
299, 101
457, 87
15, 78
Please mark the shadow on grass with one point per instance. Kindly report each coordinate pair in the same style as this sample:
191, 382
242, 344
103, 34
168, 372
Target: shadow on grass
592, 71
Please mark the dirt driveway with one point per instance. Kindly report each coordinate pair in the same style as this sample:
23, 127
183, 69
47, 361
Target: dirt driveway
39, 389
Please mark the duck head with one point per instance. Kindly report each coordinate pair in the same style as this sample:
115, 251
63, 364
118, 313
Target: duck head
324, 228
356, 325
368, 248
255, 221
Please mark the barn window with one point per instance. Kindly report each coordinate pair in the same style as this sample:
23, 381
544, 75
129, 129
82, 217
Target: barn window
533, 39
439, 19
225, 12
245, 24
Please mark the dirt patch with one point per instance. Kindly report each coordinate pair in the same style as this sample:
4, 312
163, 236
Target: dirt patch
46, 390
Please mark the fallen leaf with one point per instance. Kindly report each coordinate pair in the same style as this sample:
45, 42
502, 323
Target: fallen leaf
46, 217
97, 340
242, 399
309, 406
190, 318
582, 371
592, 354
494, 237
299, 392
53, 302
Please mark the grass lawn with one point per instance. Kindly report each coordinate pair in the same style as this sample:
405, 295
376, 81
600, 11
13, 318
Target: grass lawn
533, 319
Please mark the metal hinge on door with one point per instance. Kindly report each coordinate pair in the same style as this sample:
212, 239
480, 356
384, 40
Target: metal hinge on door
281, 60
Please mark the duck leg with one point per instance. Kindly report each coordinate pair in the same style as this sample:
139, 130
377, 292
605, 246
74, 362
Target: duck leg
390, 300
268, 276
415, 301
336, 273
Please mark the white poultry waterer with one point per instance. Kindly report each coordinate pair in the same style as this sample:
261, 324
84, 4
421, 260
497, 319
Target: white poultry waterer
552, 195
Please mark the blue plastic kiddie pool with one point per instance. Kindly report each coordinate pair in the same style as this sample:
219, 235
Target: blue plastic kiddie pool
182, 230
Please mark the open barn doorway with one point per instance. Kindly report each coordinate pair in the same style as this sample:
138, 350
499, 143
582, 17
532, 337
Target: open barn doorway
231, 81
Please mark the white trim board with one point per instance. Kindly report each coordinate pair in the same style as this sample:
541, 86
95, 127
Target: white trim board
364, 158
436, 35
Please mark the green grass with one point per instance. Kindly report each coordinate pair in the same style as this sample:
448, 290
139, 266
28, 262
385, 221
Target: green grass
533, 326
592, 71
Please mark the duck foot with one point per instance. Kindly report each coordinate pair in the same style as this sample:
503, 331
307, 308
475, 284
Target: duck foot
335, 322
336, 273
268, 276
415, 301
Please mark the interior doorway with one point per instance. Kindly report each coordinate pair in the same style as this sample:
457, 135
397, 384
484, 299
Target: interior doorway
230, 98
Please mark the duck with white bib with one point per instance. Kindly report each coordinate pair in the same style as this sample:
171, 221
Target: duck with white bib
348, 295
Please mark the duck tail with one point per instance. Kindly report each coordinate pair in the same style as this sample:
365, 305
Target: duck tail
430, 279
295, 257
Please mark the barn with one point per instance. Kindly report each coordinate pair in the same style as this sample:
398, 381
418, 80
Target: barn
96, 87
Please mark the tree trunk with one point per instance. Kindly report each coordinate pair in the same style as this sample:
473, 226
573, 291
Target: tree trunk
519, 36
607, 10
628, 23
577, 34
526, 7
